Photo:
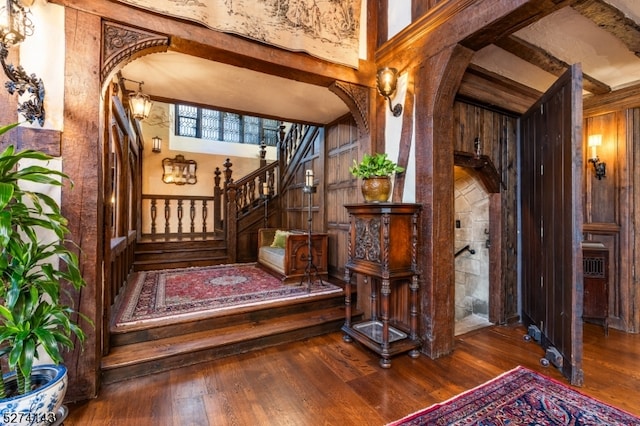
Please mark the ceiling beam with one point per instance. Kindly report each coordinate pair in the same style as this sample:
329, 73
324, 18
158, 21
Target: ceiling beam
544, 60
612, 20
496, 91
519, 18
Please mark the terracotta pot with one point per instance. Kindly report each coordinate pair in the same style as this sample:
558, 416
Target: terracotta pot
376, 189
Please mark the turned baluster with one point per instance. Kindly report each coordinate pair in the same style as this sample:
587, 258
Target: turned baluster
167, 216
192, 215
205, 212
180, 213
154, 214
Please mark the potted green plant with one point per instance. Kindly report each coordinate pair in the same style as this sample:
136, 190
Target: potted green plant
34, 319
375, 171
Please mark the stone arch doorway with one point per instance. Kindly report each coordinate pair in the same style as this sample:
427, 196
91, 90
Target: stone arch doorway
477, 222
472, 245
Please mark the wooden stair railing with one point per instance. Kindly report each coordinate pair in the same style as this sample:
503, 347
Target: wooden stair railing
293, 149
184, 217
244, 198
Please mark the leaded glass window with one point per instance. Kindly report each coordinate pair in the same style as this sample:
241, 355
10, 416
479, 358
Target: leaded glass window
224, 126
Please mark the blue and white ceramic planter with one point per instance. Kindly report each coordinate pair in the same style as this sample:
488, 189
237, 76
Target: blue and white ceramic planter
40, 406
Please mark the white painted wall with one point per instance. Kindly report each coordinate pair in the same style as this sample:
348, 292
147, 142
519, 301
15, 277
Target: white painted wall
43, 54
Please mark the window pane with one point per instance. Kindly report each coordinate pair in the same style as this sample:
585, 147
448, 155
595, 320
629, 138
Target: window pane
251, 130
210, 124
187, 120
271, 128
231, 127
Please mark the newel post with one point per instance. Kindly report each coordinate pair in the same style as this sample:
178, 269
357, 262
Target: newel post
231, 222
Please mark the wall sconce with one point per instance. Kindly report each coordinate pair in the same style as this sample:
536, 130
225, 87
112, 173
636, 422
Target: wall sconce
599, 167
157, 144
139, 103
387, 79
15, 26
179, 171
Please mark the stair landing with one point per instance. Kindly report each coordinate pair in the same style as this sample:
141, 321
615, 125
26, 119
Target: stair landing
147, 349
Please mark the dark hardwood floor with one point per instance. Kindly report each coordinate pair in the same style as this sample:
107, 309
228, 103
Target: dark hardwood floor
324, 381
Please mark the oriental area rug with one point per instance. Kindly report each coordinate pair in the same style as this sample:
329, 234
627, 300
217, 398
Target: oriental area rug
520, 397
156, 295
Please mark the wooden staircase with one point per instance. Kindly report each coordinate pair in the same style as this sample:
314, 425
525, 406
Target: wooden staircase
154, 255
139, 351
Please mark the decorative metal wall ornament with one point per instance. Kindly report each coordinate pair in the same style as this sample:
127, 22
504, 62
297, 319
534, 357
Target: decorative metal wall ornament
15, 26
179, 171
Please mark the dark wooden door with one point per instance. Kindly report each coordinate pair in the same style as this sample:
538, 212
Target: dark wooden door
551, 216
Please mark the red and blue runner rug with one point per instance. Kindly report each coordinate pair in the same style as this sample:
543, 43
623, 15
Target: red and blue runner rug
520, 397
175, 293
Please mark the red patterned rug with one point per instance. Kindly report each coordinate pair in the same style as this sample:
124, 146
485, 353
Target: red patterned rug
155, 295
520, 397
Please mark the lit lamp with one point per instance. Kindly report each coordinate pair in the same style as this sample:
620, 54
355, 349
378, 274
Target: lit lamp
139, 103
599, 167
308, 178
387, 80
15, 26
157, 144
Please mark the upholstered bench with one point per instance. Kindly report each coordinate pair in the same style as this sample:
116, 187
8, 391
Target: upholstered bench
283, 253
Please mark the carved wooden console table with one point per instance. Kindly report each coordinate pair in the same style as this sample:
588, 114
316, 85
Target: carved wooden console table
382, 246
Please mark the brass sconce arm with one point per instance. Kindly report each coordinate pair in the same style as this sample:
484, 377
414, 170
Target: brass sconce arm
387, 80
599, 167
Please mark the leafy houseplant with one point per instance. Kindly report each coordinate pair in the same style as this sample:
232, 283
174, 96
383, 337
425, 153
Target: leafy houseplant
32, 312
375, 170
376, 165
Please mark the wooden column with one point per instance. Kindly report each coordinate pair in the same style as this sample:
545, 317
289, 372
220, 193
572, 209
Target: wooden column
83, 205
436, 82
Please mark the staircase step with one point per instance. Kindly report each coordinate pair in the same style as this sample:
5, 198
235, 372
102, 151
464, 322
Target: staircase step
127, 334
179, 254
140, 359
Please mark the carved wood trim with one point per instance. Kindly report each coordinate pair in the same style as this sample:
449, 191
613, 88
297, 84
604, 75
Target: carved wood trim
357, 99
487, 172
123, 44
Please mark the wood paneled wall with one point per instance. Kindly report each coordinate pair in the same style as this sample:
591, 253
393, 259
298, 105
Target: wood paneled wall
295, 203
341, 148
609, 207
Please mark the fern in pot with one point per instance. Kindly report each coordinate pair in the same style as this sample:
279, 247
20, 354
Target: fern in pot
34, 320
375, 171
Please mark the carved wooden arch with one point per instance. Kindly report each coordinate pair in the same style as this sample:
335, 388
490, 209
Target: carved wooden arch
484, 167
357, 100
122, 44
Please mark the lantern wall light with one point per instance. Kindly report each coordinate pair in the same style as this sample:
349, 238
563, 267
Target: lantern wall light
599, 167
139, 103
156, 144
15, 26
387, 80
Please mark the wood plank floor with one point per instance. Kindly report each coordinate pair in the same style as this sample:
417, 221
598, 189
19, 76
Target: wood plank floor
324, 381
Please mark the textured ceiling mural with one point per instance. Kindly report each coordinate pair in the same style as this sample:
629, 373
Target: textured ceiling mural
326, 29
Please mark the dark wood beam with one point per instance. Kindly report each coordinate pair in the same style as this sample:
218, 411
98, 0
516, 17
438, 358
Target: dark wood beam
519, 18
546, 61
196, 40
496, 91
612, 20
621, 99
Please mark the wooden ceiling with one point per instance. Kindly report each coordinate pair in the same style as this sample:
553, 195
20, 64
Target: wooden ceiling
604, 36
